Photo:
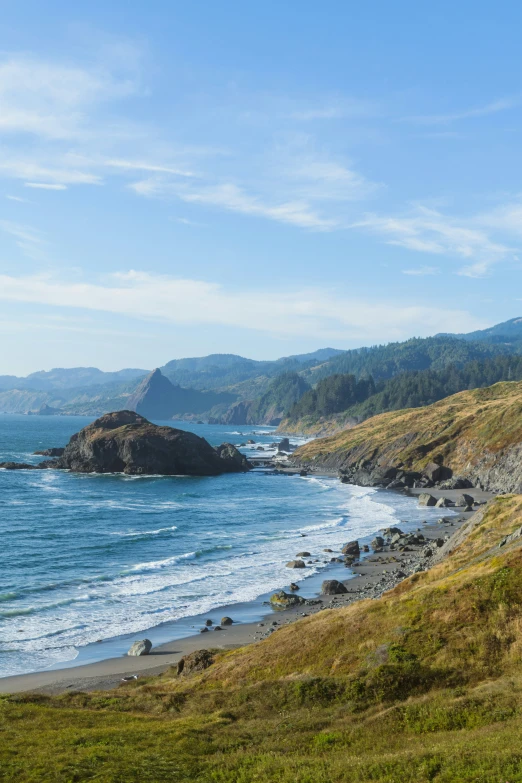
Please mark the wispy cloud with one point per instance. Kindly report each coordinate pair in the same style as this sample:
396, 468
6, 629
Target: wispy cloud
26, 238
234, 199
503, 104
18, 198
422, 271
430, 231
131, 165
45, 186
49, 100
309, 312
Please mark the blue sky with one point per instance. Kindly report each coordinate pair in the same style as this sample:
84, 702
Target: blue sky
178, 179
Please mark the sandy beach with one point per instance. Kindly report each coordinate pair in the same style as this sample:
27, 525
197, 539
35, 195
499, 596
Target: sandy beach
374, 574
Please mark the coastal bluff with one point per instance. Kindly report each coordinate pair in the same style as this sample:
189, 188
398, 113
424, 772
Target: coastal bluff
125, 442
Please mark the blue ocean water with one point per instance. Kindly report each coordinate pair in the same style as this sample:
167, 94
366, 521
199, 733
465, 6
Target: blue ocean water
89, 557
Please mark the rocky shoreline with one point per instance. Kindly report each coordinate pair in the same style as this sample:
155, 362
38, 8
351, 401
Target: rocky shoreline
364, 570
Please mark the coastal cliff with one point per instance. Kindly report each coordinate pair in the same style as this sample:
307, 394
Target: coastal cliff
125, 442
474, 436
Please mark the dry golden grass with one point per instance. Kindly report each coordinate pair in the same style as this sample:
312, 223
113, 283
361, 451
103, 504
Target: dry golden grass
460, 430
424, 684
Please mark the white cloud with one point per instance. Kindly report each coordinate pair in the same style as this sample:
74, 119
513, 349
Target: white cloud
429, 231
309, 312
45, 185
233, 198
18, 198
131, 165
27, 239
62, 173
49, 100
494, 107
422, 271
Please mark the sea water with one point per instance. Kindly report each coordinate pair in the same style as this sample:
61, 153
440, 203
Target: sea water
85, 557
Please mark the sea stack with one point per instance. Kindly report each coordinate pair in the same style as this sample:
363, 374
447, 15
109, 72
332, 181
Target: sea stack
125, 442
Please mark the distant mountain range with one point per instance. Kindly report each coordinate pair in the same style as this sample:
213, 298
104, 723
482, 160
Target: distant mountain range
235, 389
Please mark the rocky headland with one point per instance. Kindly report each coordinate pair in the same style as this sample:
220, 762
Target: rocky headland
125, 442
471, 439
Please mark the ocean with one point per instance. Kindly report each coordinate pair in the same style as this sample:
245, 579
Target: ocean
89, 562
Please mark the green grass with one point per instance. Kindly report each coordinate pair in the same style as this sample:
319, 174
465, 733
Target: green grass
424, 684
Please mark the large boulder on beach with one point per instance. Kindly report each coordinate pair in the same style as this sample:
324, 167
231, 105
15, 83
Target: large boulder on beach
143, 647
296, 564
125, 442
425, 499
351, 548
464, 500
197, 661
444, 503
226, 621
282, 600
332, 587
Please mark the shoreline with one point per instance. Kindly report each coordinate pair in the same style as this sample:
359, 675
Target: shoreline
370, 577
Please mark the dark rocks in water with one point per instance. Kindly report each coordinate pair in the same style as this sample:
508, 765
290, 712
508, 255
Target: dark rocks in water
143, 647
296, 564
197, 661
19, 466
251, 442
208, 622
366, 548
226, 621
49, 452
303, 554
425, 499
125, 442
332, 587
377, 543
204, 629
351, 548
282, 600
284, 445
293, 586
303, 473
232, 456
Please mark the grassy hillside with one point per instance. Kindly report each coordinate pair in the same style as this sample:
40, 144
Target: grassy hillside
424, 684
468, 432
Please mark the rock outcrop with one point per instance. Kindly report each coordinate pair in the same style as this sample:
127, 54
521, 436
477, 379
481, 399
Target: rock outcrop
473, 438
195, 662
125, 442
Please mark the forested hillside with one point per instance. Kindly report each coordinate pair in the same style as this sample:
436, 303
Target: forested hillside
407, 390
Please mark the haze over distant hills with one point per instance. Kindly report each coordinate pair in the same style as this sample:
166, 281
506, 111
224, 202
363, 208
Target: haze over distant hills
235, 389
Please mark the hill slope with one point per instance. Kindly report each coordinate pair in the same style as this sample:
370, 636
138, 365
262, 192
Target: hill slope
423, 684
476, 434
